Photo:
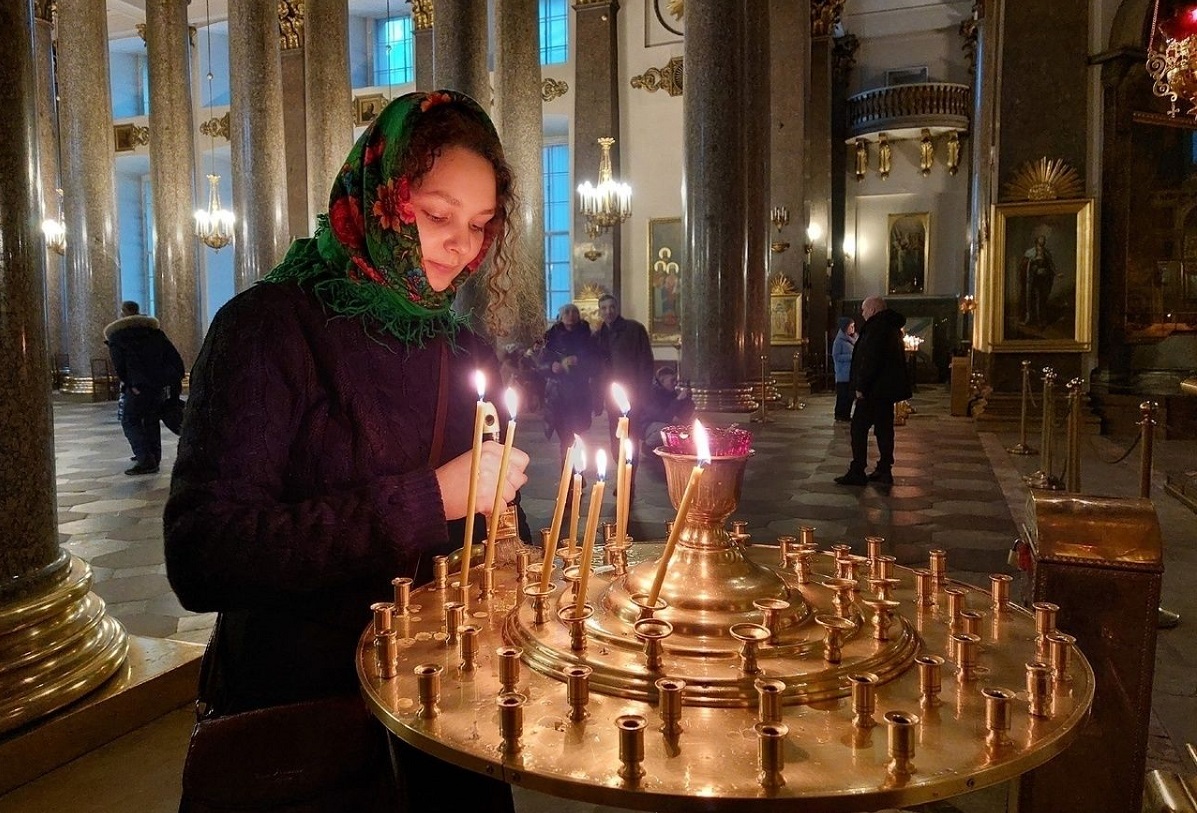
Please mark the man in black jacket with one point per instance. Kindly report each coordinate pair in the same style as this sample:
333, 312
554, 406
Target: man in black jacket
879, 379
151, 373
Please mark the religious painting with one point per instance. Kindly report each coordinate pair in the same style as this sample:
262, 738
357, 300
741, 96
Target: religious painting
664, 280
124, 137
663, 22
907, 253
785, 319
1042, 275
366, 108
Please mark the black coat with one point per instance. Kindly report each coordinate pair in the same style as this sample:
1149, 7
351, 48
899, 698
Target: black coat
144, 358
879, 359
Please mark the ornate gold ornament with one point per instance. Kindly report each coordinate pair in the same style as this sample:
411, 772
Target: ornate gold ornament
780, 285
128, 137
610, 202
591, 290
953, 152
45, 10
779, 216
667, 78
885, 156
421, 14
290, 24
677, 8
926, 153
1045, 179
141, 31
862, 158
1174, 68
216, 127
553, 88
824, 15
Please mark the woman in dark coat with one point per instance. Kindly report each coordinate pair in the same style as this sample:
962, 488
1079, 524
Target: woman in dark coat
325, 448
567, 361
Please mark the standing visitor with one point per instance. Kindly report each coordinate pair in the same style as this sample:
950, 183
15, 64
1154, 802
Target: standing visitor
841, 357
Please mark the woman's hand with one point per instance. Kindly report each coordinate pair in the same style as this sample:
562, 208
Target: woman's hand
454, 480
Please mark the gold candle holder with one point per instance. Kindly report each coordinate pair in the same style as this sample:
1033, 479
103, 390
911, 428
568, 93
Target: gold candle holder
883, 567
884, 587
487, 585
771, 611
799, 561
739, 532
523, 561
883, 616
806, 536
428, 687
902, 729
784, 545
969, 621
509, 668
546, 543
1060, 651
652, 632
966, 645
440, 572
617, 556
462, 591
609, 531
511, 722
577, 691
771, 740
467, 646
402, 590
1039, 689
576, 620
999, 591
999, 704
1045, 618
841, 551
874, 543
382, 616
768, 700
386, 645
842, 601
930, 680
669, 702
924, 586
955, 604
864, 699
454, 617
750, 636
845, 568
631, 746
939, 566
648, 610
573, 577
835, 627
540, 599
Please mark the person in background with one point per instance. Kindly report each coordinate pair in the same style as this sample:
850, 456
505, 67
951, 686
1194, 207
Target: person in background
151, 373
841, 356
878, 381
625, 356
567, 363
667, 404
326, 448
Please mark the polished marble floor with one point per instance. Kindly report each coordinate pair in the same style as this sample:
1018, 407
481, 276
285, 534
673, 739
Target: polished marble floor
956, 488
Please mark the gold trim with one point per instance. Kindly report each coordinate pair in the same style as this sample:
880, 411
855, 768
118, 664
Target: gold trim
667, 78
1045, 179
45, 10
216, 127
824, 14
953, 152
926, 153
128, 137
553, 88
780, 284
422, 14
885, 156
290, 24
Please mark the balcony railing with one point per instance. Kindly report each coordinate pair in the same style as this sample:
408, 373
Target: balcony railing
899, 107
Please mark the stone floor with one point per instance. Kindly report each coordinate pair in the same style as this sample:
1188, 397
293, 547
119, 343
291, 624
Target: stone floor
956, 488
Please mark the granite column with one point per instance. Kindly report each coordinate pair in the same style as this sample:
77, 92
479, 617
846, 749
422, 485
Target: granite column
47, 126
258, 153
756, 163
422, 18
518, 103
329, 100
44, 594
89, 187
172, 156
817, 211
292, 68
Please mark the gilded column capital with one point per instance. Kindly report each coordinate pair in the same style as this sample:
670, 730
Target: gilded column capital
290, 24
45, 10
824, 16
216, 126
141, 32
422, 16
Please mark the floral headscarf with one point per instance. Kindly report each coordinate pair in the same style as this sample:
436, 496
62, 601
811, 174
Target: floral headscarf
365, 258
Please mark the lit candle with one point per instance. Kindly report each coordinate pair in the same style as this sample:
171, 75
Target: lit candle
579, 455
480, 412
703, 448
546, 569
511, 399
621, 434
592, 518
623, 505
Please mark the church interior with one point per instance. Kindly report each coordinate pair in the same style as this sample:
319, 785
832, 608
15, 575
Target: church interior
1018, 179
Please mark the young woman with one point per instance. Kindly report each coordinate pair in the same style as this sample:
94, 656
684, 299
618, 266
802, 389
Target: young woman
326, 444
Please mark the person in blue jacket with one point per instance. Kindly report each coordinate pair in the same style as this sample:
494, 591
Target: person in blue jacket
841, 356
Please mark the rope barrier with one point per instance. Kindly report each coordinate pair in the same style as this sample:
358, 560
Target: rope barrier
1120, 457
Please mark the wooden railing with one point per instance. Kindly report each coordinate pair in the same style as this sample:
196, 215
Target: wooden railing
931, 104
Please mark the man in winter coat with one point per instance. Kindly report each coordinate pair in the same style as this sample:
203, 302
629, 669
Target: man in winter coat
151, 373
878, 378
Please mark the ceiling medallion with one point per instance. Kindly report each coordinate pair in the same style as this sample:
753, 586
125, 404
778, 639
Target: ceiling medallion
1045, 179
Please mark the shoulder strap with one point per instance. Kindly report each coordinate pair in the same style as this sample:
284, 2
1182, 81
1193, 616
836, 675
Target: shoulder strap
442, 409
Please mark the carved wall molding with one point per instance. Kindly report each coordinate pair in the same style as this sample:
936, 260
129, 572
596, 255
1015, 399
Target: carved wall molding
667, 78
216, 127
290, 24
825, 16
1045, 179
553, 88
422, 16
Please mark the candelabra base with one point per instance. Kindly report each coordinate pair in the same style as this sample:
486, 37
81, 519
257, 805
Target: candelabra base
1022, 449
1044, 481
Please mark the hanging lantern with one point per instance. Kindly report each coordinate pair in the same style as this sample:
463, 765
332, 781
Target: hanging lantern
1172, 59
214, 225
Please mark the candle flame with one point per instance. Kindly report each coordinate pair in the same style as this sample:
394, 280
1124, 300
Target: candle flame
480, 383
600, 463
512, 399
702, 443
621, 398
627, 450
579, 455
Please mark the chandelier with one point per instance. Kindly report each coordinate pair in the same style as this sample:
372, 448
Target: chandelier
609, 203
55, 230
1174, 66
214, 225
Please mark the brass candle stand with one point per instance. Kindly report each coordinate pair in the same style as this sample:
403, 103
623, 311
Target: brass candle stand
743, 688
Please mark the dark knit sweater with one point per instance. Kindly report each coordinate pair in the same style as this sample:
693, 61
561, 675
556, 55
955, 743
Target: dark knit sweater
303, 486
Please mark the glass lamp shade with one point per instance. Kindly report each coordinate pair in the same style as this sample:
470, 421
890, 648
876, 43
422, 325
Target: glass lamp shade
214, 225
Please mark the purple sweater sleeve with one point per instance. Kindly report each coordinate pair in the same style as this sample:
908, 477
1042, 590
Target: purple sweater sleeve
239, 531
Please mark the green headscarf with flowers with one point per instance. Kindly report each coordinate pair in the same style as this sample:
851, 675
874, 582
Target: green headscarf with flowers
365, 257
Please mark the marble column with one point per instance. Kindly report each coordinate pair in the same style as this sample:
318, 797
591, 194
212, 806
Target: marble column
596, 115
819, 147
89, 188
329, 99
518, 106
47, 126
43, 590
172, 155
459, 56
756, 169
720, 200
291, 19
258, 153
422, 19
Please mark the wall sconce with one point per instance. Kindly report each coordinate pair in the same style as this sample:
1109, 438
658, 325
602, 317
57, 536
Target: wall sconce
779, 216
926, 153
813, 232
885, 156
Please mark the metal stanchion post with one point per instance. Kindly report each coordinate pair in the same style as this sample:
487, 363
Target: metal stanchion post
762, 415
1074, 435
1167, 619
1043, 478
1022, 447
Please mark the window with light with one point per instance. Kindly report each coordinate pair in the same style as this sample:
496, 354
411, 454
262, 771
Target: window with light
394, 52
554, 32
557, 211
